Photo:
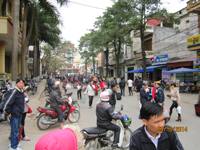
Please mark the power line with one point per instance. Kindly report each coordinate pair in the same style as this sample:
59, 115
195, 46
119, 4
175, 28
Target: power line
86, 5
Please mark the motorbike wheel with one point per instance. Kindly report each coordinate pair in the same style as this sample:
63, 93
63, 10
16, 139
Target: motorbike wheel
92, 145
41, 125
74, 116
126, 139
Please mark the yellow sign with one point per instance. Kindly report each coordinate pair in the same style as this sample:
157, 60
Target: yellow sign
193, 41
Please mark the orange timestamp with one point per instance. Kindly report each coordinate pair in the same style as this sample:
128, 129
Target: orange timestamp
175, 128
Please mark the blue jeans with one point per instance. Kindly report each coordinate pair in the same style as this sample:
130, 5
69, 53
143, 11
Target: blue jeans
15, 125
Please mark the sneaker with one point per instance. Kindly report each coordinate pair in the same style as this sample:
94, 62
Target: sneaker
115, 145
15, 148
18, 146
26, 138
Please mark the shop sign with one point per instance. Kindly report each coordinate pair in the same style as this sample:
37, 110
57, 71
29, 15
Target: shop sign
193, 41
160, 59
197, 61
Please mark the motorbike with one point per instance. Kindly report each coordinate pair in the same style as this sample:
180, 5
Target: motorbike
3, 90
102, 139
48, 116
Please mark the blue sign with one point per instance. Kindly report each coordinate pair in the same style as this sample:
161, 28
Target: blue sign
160, 59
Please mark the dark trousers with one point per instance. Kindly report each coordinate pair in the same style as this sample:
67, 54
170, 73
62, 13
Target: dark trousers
90, 100
174, 105
23, 124
15, 125
79, 95
116, 129
122, 91
130, 90
60, 113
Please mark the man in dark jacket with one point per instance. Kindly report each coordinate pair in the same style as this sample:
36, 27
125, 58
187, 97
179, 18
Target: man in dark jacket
55, 98
115, 95
15, 107
105, 114
144, 93
154, 135
160, 96
122, 85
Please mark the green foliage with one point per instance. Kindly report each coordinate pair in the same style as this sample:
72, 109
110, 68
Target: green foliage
52, 58
46, 21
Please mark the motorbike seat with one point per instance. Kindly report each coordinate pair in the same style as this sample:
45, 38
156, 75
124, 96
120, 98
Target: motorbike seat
95, 130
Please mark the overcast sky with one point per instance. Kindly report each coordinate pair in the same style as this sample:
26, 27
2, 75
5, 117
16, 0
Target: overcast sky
79, 15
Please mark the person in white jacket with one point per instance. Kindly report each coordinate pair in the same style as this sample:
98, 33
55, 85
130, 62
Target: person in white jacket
90, 92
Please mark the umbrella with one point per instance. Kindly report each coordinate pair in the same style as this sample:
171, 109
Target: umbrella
183, 70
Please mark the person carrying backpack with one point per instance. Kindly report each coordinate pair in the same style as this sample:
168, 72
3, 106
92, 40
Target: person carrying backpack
15, 107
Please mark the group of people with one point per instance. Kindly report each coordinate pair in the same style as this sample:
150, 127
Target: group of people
154, 134
155, 94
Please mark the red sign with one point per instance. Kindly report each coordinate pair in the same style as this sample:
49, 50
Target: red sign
153, 22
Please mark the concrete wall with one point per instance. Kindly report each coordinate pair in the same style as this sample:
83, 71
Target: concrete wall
172, 42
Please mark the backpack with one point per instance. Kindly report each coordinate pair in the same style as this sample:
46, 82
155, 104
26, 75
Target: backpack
6, 99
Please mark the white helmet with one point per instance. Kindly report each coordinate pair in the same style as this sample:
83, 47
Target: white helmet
105, 96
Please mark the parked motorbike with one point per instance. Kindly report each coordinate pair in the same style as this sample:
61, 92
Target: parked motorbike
48, 116
102, 139
3, 90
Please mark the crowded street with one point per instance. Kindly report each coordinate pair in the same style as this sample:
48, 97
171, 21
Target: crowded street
99, 74
190, 121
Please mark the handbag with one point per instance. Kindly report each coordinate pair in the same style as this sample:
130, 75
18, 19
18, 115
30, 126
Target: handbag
178, 109
29, 109
197, 109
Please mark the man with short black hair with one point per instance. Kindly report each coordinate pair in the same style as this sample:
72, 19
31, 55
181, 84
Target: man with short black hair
154, 134
15, 107
113, 97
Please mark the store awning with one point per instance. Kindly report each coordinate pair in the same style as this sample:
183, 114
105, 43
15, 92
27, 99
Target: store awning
149, 69
183, 70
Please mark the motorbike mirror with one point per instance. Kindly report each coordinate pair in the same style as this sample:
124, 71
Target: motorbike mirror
122, 107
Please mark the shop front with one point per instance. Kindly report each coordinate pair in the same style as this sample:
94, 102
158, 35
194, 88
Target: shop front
159, 60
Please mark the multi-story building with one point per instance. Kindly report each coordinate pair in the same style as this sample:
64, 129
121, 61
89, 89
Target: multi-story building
32, 58
6, 32
166, 48
170, 45
193, 42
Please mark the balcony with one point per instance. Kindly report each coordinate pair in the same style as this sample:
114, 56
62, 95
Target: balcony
193, 6
6, 27
6, 31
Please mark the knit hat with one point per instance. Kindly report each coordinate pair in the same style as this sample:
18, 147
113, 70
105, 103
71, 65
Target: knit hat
62, 139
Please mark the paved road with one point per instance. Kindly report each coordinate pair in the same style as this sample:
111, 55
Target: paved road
190, 139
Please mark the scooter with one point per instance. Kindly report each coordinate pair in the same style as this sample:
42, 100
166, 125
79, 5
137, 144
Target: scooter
98, 138
48, 116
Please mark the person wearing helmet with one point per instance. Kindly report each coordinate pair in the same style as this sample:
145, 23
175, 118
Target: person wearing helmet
105, 113
55, 96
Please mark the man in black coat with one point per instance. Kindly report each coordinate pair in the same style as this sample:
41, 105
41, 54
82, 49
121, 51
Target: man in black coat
144, 94
122, 85
105, 113
154, 135
15, 106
